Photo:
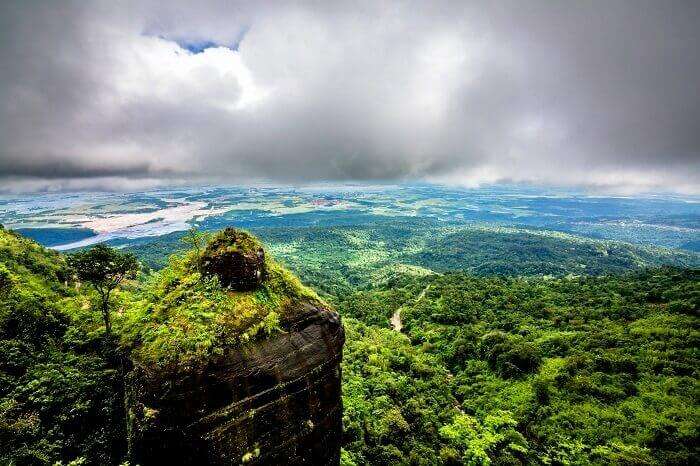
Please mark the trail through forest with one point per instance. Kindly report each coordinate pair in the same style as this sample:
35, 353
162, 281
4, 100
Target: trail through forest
395, 320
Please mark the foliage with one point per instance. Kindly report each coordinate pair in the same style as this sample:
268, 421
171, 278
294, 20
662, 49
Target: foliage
61, 384
520, 347
195, 239
395, 398
231, 240
477, 443
179, 316
582, 370
104, 268
40, 269
340, 259
7, 280
60, 397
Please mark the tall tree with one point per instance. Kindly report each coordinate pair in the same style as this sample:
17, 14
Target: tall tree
104, 268
195, 239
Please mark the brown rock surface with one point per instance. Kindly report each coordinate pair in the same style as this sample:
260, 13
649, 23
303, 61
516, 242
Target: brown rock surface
274, 401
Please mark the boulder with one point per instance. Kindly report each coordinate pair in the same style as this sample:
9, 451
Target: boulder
236, 258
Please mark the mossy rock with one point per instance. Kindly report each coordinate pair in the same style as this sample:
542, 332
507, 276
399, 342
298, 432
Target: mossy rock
237, 258
199, 307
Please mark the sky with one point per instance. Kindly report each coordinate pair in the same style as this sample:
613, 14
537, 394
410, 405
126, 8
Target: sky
603, 95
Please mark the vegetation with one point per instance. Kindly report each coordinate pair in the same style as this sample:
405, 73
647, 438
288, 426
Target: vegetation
60, 390
104, 268
178, 315
583, 370
62, 380
338, 260
520, 356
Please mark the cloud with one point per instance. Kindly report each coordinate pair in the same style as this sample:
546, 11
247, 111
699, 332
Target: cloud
598, 94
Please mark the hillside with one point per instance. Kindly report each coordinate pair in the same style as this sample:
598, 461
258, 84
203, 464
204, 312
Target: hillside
339, 259
247, 344
224, 346
59, 392
589, 370
234, 361
186, 313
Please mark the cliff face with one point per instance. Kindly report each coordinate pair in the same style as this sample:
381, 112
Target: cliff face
273, 400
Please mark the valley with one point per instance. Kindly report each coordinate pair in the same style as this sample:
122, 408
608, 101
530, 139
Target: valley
127, 218
506, 336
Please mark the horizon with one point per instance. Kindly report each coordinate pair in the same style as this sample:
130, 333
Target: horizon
543, 189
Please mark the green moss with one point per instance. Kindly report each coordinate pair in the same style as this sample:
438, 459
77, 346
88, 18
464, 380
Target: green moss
181, 317
232, 240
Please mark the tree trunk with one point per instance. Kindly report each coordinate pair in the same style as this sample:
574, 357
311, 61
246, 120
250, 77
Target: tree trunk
105, 315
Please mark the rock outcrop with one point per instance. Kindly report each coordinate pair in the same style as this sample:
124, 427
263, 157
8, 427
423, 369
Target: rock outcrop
274, 400
236, 258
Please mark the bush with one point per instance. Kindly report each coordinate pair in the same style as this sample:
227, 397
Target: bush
6, 279
509, 355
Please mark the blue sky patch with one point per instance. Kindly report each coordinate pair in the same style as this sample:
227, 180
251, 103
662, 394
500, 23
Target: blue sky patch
197, 46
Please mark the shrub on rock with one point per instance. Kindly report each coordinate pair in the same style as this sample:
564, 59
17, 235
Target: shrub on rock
237, 258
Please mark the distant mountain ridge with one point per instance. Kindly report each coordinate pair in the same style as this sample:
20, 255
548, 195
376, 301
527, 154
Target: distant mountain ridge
334, 258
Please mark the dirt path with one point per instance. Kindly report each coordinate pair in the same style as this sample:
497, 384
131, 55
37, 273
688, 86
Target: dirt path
422, 293
395, 320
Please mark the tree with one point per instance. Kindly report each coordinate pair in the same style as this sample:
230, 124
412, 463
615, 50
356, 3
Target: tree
195, 239
104, 268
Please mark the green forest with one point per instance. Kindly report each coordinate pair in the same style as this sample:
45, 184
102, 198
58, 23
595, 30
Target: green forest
587, 370
462, 347
337, 260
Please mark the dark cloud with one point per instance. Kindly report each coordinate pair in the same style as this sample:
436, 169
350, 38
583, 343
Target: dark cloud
600, 93
63, 167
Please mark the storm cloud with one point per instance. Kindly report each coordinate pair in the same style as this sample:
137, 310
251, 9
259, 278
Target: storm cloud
600, 94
